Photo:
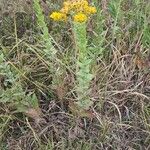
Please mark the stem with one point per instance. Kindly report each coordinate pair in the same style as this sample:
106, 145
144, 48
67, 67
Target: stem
83, 75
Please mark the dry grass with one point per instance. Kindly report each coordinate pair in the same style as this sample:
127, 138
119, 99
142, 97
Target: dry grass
120, 89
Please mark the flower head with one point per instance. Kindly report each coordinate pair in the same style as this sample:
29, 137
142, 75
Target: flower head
80, 17
89, 10
58, 16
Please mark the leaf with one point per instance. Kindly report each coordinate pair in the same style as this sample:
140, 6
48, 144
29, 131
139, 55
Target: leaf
1, 58
32, 100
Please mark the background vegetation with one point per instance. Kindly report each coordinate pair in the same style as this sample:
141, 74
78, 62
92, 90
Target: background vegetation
38, 78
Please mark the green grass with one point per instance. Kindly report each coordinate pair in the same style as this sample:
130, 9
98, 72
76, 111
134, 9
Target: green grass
38, 80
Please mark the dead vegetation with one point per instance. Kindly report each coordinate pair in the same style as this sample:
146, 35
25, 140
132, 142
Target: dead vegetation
120, 90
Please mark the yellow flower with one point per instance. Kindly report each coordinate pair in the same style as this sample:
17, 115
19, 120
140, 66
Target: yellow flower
58, 16
92, 10
89, 10
80, 17
75, 5
66, 4
85, 3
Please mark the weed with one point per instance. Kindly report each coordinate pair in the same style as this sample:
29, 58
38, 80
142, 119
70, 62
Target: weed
74, 74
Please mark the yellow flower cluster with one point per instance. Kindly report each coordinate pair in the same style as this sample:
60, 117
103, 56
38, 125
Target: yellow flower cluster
80, 17
79, 9
58, 16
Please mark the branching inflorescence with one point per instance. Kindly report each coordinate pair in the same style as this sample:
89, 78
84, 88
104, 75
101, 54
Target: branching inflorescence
77, 10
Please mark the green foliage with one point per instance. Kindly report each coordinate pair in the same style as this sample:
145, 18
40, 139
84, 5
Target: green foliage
81, 40
46, 39
12, 93
5, 72
97, 41
83, 73
146, 36
16, 98
114, 8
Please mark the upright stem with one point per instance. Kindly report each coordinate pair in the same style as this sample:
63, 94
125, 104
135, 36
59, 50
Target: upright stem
83, 66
